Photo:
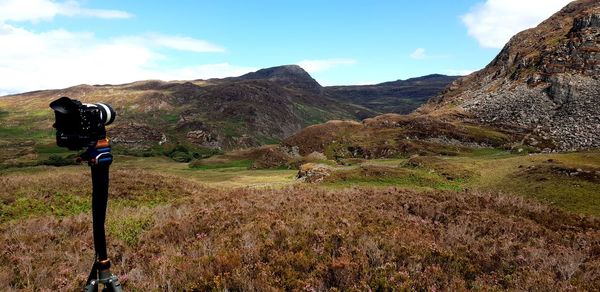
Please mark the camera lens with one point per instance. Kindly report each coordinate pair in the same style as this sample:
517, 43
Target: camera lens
108, 114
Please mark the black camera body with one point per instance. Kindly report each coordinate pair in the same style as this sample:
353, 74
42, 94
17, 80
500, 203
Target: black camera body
80, 125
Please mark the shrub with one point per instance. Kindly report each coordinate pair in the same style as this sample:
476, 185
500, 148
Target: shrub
58, 160
181, 156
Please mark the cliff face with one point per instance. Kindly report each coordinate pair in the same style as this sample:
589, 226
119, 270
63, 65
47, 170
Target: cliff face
546, 80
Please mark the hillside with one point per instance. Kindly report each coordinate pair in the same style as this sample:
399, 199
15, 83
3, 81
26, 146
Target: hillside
546, 79
392, 136
228, 113
206, 116
542, 92
400, 97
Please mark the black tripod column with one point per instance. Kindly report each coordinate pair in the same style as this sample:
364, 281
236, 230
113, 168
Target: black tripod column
99, 204
99, 159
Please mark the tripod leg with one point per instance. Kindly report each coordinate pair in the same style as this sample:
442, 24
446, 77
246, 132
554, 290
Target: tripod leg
92, 281
110, 281
91, 287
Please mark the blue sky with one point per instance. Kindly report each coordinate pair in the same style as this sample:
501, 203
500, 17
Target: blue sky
53, 44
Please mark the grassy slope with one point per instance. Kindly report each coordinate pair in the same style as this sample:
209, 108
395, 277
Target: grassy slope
196, 229
228, 112
171, 231
539, 176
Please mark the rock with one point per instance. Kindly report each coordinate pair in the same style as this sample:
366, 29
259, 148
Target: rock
202, 138
315, 156
313, 173
135, 134
163, 140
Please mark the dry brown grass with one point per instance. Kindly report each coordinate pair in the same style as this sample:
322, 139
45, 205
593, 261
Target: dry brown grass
313, 239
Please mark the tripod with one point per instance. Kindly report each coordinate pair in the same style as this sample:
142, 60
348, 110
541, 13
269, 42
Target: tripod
99, 159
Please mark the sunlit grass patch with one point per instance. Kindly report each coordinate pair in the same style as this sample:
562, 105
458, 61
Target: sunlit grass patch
201, 165
129, 223
369, 175
66, 191
58, 204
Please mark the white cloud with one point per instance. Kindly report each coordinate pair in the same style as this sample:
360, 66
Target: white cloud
312, 66
185, 44
494, 22
61, 58
180, 43
418, 54
43, 10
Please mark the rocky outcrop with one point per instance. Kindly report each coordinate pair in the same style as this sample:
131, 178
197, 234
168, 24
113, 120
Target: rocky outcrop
546, 79
202, 138
135, 135
313, 173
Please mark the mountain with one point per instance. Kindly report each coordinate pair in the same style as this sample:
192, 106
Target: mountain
401, 96
541, 91
546, 80
250, 110
292, 76
257, 108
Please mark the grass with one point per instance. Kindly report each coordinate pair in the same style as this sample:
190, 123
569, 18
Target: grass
312, 115
530, 176
232, 128
51, 149
489, 169
59, 205
128, 226
314, 238
375, 224
495, 223
170, 118
484, 170
221, 177
244, 164
65, 191
391, 176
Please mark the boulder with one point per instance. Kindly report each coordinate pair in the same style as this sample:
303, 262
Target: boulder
313, 173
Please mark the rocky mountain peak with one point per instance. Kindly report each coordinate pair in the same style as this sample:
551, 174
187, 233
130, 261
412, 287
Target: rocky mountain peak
287, 75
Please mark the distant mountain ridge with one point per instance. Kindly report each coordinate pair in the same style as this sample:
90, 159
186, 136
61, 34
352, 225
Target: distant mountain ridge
257, 108
400, 96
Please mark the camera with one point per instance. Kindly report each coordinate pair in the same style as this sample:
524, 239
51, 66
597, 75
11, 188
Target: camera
79, 124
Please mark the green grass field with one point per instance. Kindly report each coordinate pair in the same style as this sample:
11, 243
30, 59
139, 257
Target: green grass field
552, 179
222, 225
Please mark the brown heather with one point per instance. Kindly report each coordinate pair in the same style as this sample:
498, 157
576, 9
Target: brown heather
302, 238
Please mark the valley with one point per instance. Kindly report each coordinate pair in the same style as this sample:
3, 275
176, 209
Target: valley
270, 181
